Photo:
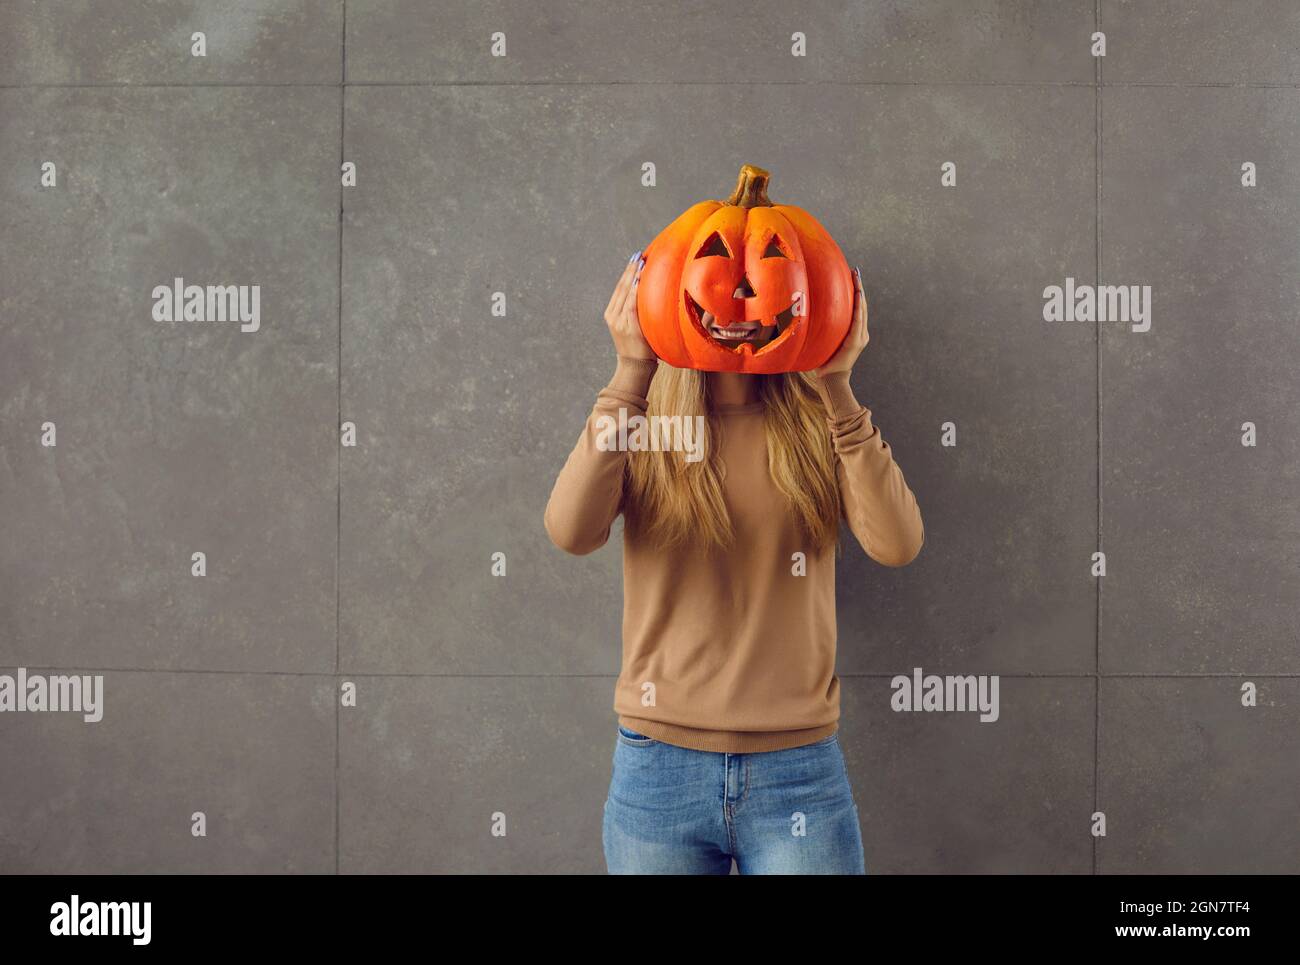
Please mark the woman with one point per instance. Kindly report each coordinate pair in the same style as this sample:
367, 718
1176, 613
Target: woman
727, 744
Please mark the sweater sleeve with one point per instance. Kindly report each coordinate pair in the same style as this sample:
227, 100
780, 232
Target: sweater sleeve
588, 494
880, 508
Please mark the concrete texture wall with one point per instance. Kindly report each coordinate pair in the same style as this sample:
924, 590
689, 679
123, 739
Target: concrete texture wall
1164, 695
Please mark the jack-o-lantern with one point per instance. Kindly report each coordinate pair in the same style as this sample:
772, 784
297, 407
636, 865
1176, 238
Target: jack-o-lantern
745, 285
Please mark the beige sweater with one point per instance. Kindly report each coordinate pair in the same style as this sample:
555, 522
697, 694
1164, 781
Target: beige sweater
732, 651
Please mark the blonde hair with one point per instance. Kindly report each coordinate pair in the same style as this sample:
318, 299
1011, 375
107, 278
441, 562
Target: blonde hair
673, 501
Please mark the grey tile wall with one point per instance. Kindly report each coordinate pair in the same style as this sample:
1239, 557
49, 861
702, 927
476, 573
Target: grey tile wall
338, 568
252, 753
129, 42
1193, 780
1202, 42
172, 438
1200, 529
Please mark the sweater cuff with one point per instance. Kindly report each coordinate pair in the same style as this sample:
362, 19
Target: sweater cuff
633, 375
837, 395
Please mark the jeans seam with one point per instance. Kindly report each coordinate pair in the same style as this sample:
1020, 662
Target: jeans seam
728, 812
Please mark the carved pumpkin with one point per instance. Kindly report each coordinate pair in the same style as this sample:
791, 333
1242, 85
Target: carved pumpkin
745, 285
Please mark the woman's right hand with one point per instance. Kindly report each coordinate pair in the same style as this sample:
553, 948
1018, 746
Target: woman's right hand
621, 314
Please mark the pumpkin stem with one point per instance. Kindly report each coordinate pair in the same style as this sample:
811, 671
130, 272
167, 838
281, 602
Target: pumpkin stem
751, 188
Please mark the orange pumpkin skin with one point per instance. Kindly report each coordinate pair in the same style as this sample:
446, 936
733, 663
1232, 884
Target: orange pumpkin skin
679, 279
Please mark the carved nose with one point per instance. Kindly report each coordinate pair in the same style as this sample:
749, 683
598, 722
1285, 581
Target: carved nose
744, 291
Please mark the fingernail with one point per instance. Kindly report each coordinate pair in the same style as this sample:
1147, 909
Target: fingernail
634, 257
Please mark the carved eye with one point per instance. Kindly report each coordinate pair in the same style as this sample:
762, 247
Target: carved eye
714, 245
774, 249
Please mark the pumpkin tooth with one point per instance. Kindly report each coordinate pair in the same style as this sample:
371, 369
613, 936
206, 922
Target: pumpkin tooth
784, 319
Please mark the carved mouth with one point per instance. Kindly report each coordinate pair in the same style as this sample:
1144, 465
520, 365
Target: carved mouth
735, 334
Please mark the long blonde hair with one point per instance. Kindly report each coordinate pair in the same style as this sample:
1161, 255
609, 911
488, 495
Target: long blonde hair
674, 501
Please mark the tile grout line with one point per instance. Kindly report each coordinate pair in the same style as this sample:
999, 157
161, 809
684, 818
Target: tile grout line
1176, 85
1096, 701
338, 442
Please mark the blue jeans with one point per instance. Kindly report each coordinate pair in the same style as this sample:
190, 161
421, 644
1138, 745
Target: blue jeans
673, 810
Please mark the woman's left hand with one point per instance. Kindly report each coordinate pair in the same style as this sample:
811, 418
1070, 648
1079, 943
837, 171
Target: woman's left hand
856, 340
